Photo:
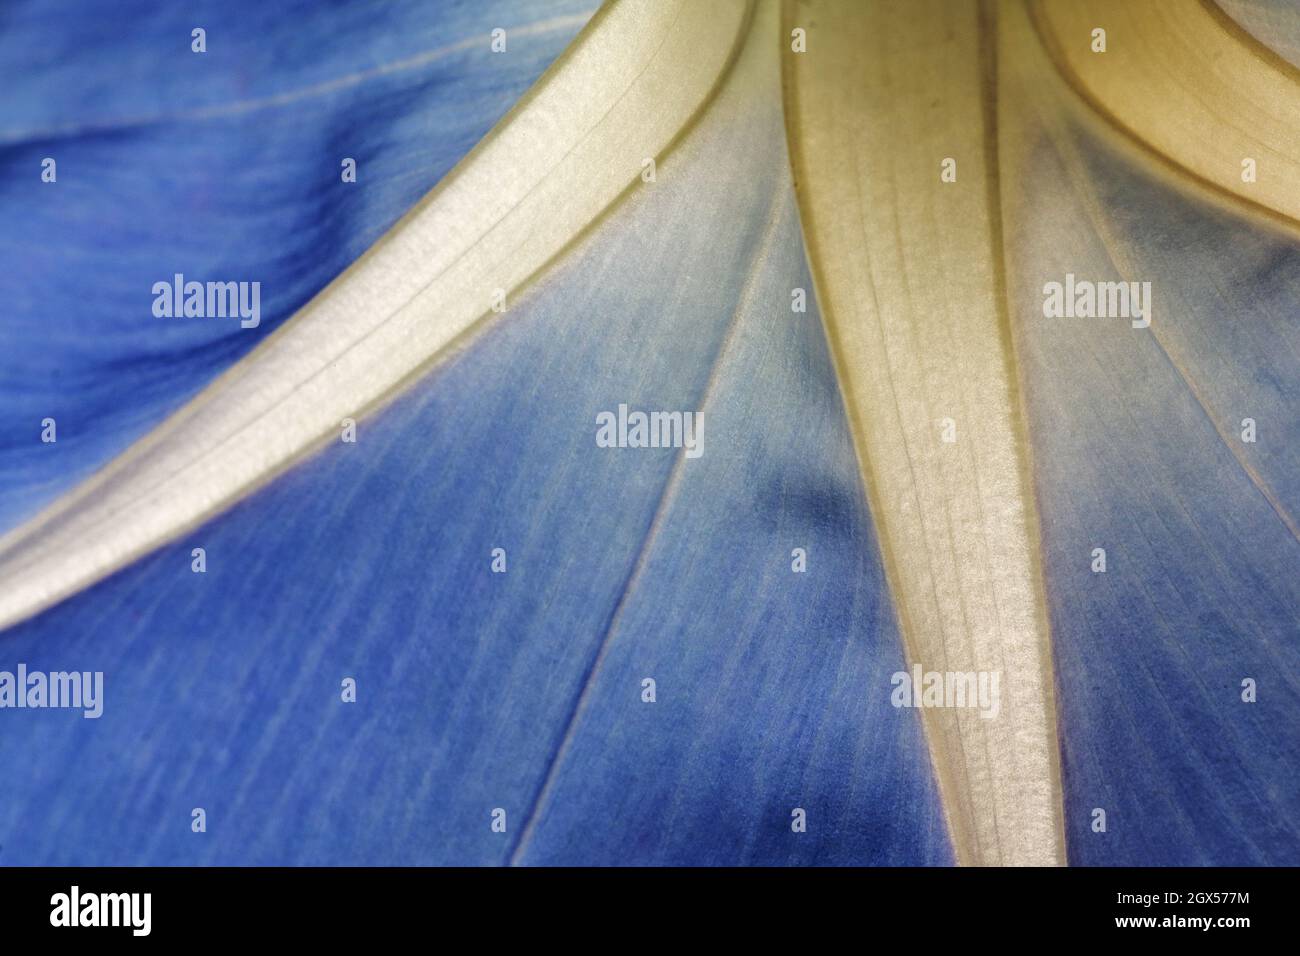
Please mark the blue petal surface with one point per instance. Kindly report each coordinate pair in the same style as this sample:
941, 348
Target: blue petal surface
1138, 450
521, 690
221, 166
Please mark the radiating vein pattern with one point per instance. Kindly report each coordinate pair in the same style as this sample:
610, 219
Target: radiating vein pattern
772, 687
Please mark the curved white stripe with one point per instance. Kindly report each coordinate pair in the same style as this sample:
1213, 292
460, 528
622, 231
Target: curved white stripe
625, 90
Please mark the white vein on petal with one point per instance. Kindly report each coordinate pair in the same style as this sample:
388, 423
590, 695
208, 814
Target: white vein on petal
625, 89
